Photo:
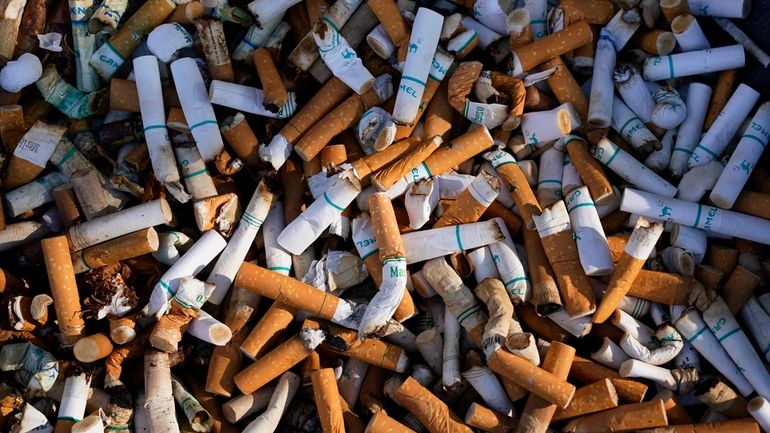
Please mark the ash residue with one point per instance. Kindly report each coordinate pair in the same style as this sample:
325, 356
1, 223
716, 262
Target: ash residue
104, 284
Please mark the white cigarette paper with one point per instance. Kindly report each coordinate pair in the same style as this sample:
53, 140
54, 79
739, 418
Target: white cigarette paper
242, 406
341, 58
689, 34
277, 258
593, 248
428, 244
120, 223
509, 266
423, 41
484, 381
165, 40
661, 68
689, 132
451, 350
631, 170
161, 413
197, 108
719, 8
602, 89
33, 194
73, 400
631, 128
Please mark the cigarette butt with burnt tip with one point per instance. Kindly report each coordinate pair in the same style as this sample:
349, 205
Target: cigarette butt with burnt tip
272, 83
61, 277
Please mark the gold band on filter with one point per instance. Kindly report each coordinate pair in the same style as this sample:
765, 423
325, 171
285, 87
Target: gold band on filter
674, 8
458, 150
382, 423
387, 177
132, 245
272, 83
286, 290
663, 287
272, 365
626, 271
64, 289
338, 120
587, 371
565, 88
554, 45
130, 34
592, 398
537, 413
269, 327
328, 401
466, 209
329, 96
590, 171
629, 417
739, 287
574, 286
722, 91
540, 382
239, 135
489, 420
431, 412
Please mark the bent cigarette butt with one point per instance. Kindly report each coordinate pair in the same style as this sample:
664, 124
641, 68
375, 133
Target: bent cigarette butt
328, 401
489, 420
538, 413
431, 412
596, 397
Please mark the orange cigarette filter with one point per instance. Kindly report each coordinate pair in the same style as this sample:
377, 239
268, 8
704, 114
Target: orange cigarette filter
388, 14
272, 365
241, 138
431, 412
545, 291
387, 177
333, 155
709, 276
617, 244
338, 120
328, 401
577, 294
676, 414
592, 398
370, 350
329, 96
537, 413
64, 289
587, 371
753, 203
224, 364
522, 36
663, 287
540, 382
466, 209
272, 83
511, 220
722, 91
657, 42
186, 13
723, 258
744, 425
92, 348
11, 126
626, 418
590, 171
293, 189
371, 163
595, 12
273, 322
167, 333
565, 88
544, 327
123, 95
108, 253
521, 192
438, 118
554, 45
382, 423
739, 287
458, 150
489, 420
674, 8
67, 205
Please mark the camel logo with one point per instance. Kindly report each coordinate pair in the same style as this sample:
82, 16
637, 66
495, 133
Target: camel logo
745, 165
704, 10
412, 47
533, 138
348, 54
665, 211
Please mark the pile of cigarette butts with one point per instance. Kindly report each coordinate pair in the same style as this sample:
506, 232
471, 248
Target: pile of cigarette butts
382, 216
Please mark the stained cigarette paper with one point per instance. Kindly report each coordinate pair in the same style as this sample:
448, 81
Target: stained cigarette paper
714, 8
423, 41
694, 63
601, 96
428, 244
279, 401
158, 389
631, 170
631, 128
710, 219
343, 61
197, 108
592, 244
555, 231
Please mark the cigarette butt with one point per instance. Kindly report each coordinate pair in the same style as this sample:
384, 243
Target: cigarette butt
471, 204
587, 371
122, 329
92, 348
744, 425
329, 96
382, 423
723, 258
625, 418
64, 290
545, 292
272, 83
431, 412
657, 42
241, 138
269, 327
333, 155
372, 351
663, 287
132, 245
595, 12
565, 88
521, 192
497, 210
123, 95
635, 254
67, 205
538, 413
676, 413
11, 125
434, 91
542, 326
224, 365
372, 163
709, 276
213, 44
176, 120
739, 287
674, 8
31, 155
722, 91
554, 45
589, 169
186, 13
538, 381
219, 211
458, 150
388, 176
489, 420
753, 203
328, 401
520, 29
272, 365
596, 397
